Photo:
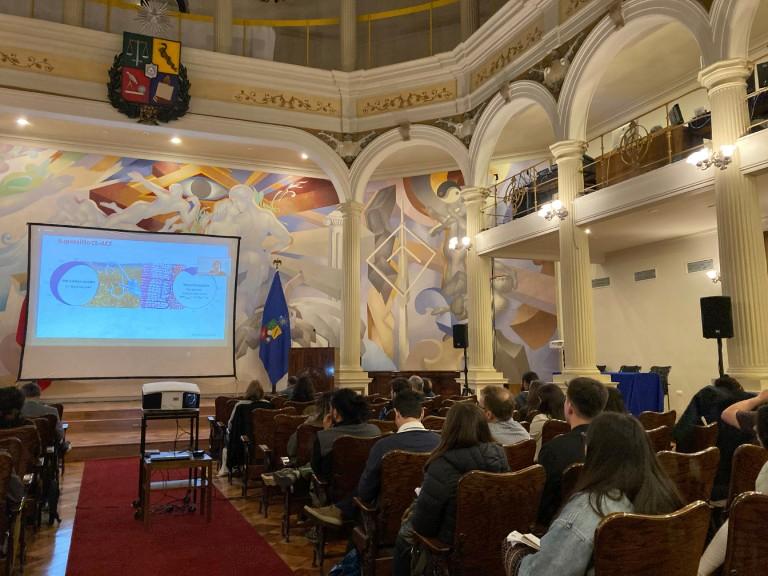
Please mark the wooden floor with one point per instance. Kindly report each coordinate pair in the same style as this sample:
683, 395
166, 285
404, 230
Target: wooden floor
49, 548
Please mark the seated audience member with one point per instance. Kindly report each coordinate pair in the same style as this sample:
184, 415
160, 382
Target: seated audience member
417, 383
11, 404
321, 408
621, 474
240, 424
551, 402
743, 414
496, 402
615, 401
466, 444
411, 436
304, 390
585, 399
705, 407
34, 408
521, 400
288, 392
397, 385
429, 391
348, 415
714, 555
532, 402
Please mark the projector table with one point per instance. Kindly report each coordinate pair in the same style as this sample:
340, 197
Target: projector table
199, 468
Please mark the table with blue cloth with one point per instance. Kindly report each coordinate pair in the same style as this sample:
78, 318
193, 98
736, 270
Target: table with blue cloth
642, 391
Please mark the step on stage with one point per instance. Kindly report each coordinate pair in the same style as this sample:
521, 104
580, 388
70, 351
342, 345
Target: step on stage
113, 430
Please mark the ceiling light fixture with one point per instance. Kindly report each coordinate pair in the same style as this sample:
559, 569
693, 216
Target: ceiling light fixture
21, 121
705, 158
552, 209
304, 156
587, 231
463, 243
176, 140
713, 275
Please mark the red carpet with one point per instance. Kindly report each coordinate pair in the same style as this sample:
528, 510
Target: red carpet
107, 540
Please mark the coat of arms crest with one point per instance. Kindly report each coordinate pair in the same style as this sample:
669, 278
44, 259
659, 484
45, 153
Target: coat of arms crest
148, 81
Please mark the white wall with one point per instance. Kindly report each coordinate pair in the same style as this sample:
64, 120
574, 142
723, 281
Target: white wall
658, 322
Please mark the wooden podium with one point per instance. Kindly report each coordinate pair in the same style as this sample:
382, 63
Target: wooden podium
319, 363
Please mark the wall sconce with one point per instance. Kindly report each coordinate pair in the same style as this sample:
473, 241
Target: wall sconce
705, 157
713, 275
552, 209
463, 243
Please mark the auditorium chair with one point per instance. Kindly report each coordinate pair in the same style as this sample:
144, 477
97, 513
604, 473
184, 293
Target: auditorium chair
663, 372
401, 473
217, 425
30, 469
747, 551
255, 447
651, 420
570, 479
553, 428
488, 507
11, 532
639, 545
297, 495
700, 438
693, 474
375, 408
661, 438
348, 457
274, 453
386, 426
64, 428
49, 468
630, 368
435, 423
278, 401
520, 455
747, 462
300, 407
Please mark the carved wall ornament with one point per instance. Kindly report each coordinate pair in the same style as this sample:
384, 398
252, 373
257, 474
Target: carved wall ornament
506, 55
287, 101
634, 144
462, 126
569, 7
407, 99
30, 62
347, 146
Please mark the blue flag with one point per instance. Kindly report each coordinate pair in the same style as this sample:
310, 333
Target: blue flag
275, 337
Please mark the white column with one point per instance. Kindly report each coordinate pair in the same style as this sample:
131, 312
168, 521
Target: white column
222, 27
350, 373
470, 18
335, 222
577, 318
74, 11
348, 34
479, 296
739, 228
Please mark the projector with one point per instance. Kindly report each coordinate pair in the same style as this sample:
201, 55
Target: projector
170, 396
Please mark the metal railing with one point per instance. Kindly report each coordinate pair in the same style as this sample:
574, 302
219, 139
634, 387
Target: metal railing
757, 102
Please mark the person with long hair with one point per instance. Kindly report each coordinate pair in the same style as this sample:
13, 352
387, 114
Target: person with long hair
304, 390
621, 474
714, 555
531, 402
521, 400
466, 444
551, 403
239, 425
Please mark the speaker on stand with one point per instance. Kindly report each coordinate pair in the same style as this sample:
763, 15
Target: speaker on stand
717, 322
461, 340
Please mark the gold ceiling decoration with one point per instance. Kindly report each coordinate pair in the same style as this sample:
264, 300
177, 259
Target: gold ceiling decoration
514, 48
407, 99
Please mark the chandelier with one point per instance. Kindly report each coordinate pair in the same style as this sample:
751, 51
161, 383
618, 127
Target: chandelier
552, 209
705, 158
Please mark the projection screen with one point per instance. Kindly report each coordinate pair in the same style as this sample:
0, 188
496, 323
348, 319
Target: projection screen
123, 304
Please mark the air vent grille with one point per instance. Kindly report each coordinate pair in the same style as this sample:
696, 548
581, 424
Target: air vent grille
601, 282
701, 266
645, 275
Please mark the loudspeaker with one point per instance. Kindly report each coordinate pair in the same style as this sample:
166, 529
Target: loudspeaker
716, 318
460, 336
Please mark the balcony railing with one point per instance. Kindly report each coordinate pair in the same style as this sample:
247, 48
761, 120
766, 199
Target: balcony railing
757, 102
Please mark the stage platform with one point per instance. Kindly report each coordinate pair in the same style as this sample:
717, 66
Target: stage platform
113, 429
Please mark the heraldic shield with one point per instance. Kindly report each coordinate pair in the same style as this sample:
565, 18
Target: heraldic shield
147, 79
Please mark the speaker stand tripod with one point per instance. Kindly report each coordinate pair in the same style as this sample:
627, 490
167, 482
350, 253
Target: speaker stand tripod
467, 391
720, 356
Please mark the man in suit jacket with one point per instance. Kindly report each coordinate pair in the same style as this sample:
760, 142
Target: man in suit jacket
584, 400
34, 408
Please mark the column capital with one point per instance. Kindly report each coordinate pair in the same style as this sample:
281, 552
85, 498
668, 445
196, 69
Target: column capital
568, 150
473, 195
351, 208
725, 73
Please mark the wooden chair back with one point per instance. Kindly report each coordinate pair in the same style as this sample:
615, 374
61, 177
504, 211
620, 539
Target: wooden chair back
374, 409
520, 455
701, 438
229, 407
299, 406
285, 426
13, 446
45, 430
748, 460
348, 457
305, 442
220, 408
401, 473
499, 503
747, 551
433, 423
30, 442
59, 409
386, 426
263, 424
553, 428
651, 420
279, 402
569, 480
638, 545
693, 474
6, 468
443, 412
660, 438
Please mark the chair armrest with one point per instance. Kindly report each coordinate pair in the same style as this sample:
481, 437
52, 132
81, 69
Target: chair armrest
366, 508
211, 420
435, 546
321, 486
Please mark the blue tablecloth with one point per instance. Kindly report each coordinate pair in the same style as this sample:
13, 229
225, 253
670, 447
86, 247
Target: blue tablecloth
641, 391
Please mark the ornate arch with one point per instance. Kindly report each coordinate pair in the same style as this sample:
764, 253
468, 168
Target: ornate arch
732, 24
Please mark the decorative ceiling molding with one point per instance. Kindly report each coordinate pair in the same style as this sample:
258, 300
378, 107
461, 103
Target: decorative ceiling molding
287, 101
28, 62
569, 8
405, 99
